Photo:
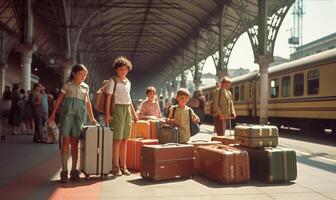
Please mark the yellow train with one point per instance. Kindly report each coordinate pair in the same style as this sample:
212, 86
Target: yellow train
302, 94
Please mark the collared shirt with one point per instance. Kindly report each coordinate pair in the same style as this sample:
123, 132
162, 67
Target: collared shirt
223, 103
122, 94
181, 115
150, 109
71, 90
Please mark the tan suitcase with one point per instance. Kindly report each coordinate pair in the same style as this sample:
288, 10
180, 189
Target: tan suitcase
256, 136
141, 129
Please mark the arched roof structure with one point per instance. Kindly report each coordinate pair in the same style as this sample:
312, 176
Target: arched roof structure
155, 34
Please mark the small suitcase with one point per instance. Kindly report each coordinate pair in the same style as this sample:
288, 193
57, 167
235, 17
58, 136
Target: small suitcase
168, 134
225, 140
141, 130
271, 165
96, 151
223, 164
154, 128
168, 161
133, 156
256, 136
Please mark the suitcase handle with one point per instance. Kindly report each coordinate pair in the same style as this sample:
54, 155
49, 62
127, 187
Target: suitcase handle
199, 141
171, 144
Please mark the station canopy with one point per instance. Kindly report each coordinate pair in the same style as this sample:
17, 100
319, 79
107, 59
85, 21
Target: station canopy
155, 35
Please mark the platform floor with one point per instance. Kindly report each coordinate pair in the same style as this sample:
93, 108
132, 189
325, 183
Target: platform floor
31, 171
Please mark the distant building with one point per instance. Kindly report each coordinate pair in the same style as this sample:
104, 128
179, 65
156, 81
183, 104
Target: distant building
209, 79
317, 46
278, 60
237, 72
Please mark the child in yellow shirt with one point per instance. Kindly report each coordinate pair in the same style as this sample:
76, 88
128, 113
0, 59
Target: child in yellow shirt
180, 117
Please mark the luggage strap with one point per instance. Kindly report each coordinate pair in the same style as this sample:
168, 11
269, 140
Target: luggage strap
233, 168
285, 165
98, 152
102, 152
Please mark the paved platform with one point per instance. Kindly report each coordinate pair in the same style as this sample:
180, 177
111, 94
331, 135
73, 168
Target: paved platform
31, 171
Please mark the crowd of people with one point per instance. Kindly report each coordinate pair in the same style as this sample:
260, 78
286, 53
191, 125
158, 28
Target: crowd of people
28, 112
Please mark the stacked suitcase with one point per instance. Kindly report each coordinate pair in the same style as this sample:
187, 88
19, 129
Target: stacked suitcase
143, 132
268, 162
133, 155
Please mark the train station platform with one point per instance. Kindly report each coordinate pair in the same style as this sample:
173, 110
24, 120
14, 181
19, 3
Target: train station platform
31, 171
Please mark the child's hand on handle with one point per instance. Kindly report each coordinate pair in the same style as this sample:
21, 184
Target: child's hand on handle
51, 119
195, 120
108, 118
135, 118
94, 121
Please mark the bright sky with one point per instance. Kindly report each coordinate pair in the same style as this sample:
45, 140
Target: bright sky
318, 21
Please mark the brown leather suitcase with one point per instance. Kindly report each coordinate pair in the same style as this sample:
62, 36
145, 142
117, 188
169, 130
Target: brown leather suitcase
168, 161
197, 143
223, 164
226, 140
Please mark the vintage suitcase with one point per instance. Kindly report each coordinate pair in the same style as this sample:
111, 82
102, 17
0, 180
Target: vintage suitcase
154, 128
134, 146
96, 150
270, 164
256, 136
140, 129
168, 161
197, 143
225, 140
223, 164
168, 134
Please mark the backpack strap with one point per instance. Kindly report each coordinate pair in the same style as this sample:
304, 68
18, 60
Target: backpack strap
115, 84
190, 119
174, 109
219, 95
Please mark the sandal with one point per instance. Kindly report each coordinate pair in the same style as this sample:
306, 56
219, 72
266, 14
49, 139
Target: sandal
74, 175
125, 171
64, 176
116, 171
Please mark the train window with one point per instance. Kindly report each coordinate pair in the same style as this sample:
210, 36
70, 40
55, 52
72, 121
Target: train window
274, 88
298, 84
242, 93
285, 86
236, 93
313, 82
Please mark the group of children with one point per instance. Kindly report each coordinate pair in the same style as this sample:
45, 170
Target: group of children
75, 105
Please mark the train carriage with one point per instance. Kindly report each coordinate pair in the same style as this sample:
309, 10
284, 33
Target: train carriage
302, 94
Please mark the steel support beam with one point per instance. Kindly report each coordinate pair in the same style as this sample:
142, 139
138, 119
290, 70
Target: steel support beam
263, 41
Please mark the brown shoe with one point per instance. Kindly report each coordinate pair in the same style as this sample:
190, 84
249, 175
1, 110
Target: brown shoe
125, 171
